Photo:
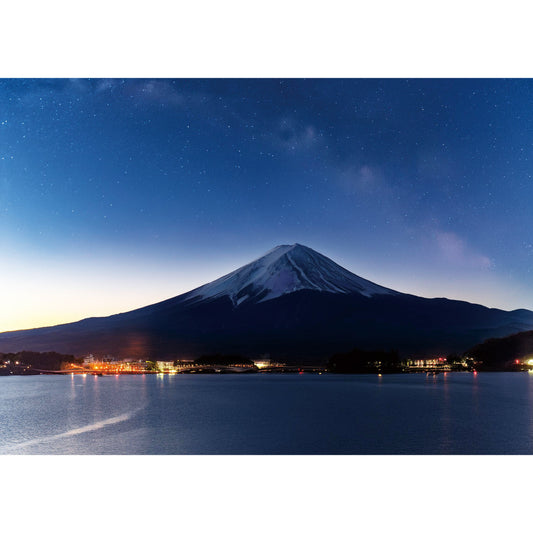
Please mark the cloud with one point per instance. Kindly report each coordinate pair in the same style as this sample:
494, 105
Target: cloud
107, 84
367, 178
455, 251
80, 85
293, 136
158, 91
363, 179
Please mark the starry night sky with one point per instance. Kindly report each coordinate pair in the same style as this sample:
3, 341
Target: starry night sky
119, 193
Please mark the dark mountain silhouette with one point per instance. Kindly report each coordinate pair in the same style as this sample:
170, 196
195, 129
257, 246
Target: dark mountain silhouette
497, 353
294, 304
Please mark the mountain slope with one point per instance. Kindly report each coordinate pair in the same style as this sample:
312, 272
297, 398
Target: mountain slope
292, 303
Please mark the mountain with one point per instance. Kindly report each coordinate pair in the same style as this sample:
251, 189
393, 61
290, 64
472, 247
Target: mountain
284, 270
292, 303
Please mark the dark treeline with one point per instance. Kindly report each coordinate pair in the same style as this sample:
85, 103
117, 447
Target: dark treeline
502, 353
40, 360
223, 360
364, 362
508, 353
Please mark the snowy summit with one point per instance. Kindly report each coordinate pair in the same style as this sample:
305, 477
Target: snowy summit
285, 269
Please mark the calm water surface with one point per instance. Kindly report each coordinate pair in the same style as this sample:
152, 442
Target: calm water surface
488, 413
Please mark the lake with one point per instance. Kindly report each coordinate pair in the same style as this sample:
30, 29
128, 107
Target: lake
453, 413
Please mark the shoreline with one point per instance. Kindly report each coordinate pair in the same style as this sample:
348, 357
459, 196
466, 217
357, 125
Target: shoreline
248, 372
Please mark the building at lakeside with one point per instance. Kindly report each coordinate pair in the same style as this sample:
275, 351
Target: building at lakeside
431, 363
267, 363
108, 365
166, 366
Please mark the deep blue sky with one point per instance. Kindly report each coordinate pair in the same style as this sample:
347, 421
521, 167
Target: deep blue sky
116, 194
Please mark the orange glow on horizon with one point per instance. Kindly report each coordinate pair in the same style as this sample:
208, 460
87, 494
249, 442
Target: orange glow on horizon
47, 291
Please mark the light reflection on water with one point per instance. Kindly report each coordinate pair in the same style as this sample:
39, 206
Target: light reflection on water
530, 403
267, 414
73, 432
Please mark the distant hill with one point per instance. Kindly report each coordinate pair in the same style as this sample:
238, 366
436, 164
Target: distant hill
504, 351
293, 304
42, 361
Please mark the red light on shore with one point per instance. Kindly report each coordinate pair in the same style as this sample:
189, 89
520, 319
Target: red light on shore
517, 361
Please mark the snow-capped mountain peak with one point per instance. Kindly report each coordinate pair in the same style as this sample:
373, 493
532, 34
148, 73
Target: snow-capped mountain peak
283, 270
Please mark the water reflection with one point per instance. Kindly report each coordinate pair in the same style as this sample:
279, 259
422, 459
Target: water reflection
72, 387
530, 404
70, 433
274, 414
445, 416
